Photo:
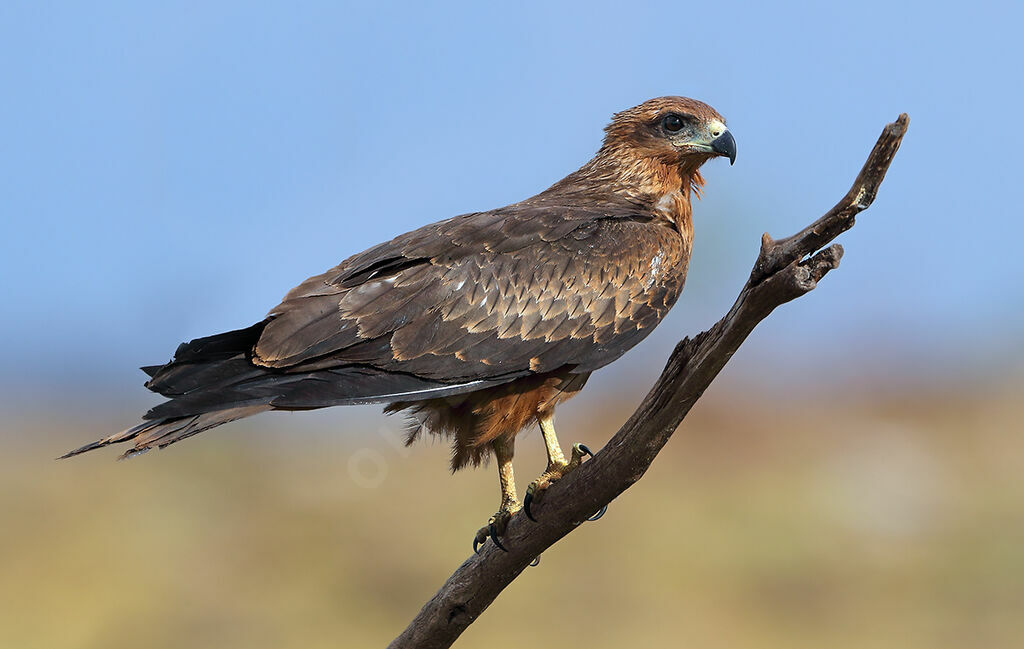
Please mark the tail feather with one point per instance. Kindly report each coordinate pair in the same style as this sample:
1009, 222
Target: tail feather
158, 433
211, 381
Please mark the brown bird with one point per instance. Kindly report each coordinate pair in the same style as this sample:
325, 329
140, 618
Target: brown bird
476, 326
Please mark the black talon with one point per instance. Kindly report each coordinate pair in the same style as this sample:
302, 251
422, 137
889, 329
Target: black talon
599, 513
476, 546
583, 447
536, 561
527, 499
494, 536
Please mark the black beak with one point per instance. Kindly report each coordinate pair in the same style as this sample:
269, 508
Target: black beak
725, 145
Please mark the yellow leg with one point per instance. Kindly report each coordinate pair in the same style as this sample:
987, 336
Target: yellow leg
504, 449
547, 429
557, 466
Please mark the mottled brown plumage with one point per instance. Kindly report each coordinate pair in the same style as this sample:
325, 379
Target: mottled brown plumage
479, 325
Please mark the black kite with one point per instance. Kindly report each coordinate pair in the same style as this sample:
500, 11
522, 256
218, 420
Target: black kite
476, 326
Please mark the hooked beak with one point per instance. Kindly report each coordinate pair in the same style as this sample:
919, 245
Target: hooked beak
725, 145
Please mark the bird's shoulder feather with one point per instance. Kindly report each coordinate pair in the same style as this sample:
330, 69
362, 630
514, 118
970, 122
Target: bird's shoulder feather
524, 289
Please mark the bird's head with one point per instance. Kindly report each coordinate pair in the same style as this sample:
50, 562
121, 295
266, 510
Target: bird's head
674, 130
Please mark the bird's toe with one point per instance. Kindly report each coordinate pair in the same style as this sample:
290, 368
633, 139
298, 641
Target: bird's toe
535, 492
495, 528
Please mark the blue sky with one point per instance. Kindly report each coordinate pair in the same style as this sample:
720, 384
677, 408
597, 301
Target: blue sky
171, 171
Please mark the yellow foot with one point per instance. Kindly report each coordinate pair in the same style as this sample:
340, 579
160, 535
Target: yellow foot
535, 492
496, 526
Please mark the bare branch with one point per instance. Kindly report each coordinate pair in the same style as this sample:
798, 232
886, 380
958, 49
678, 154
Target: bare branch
783, 271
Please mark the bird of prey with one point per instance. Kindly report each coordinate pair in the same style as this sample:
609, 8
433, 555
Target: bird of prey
476, 326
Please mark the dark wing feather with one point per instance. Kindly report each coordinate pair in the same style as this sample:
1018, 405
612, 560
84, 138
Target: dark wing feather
528, 288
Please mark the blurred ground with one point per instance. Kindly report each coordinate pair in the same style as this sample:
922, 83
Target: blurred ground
886, 519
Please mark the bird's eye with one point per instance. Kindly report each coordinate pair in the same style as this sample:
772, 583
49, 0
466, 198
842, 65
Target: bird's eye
672, 122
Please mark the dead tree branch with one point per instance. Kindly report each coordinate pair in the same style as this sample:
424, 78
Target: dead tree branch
785, 269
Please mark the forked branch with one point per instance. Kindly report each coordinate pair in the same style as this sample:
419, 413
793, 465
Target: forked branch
785, 269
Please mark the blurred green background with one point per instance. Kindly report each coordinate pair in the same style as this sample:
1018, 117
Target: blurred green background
167, 171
